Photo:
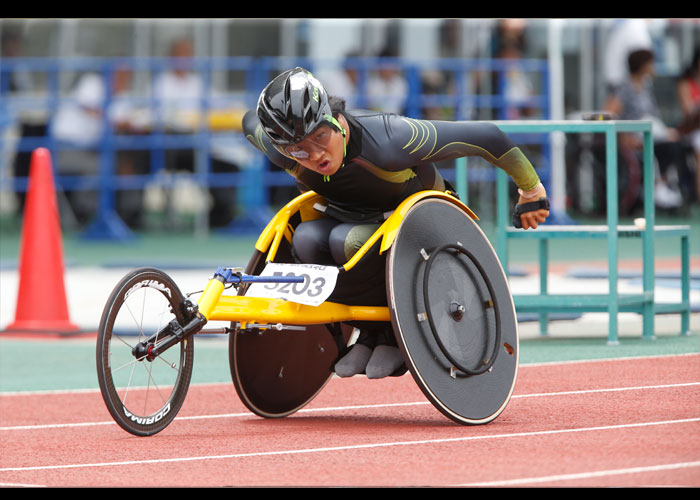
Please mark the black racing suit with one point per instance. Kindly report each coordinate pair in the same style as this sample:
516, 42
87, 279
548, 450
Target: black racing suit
388, 158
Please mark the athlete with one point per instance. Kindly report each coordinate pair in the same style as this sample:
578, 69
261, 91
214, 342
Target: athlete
364, 163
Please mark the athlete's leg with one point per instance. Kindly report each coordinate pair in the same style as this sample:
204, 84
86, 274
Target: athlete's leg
310, 241
346, 239
375, 353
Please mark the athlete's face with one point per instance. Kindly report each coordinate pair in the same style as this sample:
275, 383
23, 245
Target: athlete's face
323, 151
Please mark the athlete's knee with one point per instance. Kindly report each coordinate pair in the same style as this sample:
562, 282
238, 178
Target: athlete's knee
346, 239
310, 241
337, 242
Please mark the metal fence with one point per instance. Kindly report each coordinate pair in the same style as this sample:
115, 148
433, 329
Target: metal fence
209, 126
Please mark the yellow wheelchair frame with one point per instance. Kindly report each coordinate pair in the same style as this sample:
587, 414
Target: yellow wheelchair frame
214, 306
283, 357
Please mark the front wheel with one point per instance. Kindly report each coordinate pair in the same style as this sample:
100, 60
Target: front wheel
142, 393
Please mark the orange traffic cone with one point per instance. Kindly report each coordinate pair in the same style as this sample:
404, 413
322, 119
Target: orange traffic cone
41, 298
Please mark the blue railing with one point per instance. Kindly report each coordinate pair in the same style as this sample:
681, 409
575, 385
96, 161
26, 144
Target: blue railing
256, 175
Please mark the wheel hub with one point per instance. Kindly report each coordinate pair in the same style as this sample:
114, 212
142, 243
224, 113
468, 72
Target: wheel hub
457, 311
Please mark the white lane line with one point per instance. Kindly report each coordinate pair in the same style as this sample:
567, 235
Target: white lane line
613, 389
205, 417
608, 360
352, 407
346, 448
585, 475
21, 485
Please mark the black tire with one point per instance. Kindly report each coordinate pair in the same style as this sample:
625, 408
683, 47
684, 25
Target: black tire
142, 396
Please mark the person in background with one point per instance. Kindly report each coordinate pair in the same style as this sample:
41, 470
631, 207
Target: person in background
634, 100
513, 83
625, 37
79, 126
179, 90
688, 88
345, 80
178, 93
387, 89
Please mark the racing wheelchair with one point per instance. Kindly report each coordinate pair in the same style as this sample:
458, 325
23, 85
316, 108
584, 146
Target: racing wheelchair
448, 301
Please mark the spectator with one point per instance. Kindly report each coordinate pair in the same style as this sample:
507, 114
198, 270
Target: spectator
387, 89
511, 83
79, 124
78, 128
689, 97
179, 93
626, 36
634, 100
439, 84
516, 87
128, 118
346, 80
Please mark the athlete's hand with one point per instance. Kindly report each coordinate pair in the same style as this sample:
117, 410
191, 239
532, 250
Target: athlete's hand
531, 219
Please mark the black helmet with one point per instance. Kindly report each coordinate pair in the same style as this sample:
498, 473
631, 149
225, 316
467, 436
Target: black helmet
292, 105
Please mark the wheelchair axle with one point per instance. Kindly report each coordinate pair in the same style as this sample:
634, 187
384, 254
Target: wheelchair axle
171, 334
457, 311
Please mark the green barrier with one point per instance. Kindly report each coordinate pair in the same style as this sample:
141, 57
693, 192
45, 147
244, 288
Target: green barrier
613, 302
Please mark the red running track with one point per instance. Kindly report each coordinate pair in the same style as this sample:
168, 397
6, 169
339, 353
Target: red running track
633, 422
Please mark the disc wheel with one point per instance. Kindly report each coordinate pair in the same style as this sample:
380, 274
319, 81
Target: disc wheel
453, 312
276, 373
142, 394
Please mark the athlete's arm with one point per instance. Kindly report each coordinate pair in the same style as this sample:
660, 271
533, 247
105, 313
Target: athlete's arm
418, 141
434, 141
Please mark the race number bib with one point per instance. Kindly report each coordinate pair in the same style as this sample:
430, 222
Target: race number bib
319, 283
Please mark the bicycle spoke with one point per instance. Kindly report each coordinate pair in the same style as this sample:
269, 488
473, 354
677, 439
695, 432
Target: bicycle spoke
128, 385
143, 310
125, 365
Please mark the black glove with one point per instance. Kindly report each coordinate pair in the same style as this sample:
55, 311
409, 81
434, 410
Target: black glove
528, 207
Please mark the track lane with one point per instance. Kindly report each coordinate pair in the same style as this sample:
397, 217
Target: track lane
564, 421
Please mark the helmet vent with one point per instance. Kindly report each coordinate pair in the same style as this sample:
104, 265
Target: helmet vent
292, 106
